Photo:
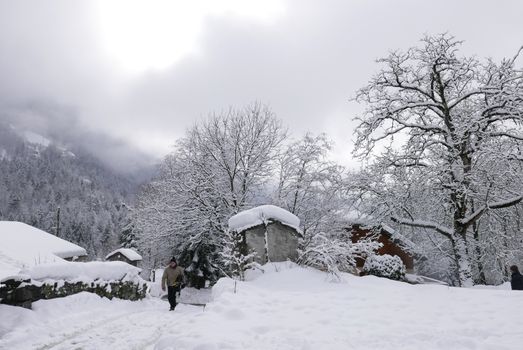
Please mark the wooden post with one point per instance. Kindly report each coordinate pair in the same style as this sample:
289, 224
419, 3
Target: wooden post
58, 222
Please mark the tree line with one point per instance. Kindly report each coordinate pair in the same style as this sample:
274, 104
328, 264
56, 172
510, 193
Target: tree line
71, 195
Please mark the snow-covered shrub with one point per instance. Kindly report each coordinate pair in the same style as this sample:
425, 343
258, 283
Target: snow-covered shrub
334, 255
235, 255
387, 266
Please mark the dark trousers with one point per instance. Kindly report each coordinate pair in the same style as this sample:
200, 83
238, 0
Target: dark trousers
171, 295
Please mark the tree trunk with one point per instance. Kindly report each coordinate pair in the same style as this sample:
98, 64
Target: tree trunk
463, 261
481, 270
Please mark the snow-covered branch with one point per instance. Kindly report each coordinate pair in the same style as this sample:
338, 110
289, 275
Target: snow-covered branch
447, 232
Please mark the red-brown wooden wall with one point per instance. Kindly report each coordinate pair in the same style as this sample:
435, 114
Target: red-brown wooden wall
389, 247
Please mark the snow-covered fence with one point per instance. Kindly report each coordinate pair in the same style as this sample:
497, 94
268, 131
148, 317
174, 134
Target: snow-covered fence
106, 279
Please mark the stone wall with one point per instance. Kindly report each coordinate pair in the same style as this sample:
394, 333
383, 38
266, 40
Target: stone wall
282, 242
255, 239
24, 293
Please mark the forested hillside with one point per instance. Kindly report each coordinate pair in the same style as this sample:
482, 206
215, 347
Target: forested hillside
62, 190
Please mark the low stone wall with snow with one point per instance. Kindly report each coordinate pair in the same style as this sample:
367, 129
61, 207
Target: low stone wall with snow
106, 279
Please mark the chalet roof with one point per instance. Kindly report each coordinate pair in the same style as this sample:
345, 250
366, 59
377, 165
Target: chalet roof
130, 254
263, 214
394, 236
22, 246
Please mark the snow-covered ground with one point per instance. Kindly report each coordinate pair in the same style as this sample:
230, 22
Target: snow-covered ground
288, 307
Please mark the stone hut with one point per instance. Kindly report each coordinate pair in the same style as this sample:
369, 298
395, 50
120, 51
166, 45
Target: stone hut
126, 255
270, 231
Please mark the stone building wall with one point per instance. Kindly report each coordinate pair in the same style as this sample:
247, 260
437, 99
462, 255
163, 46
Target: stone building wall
24, 293
282, 242
255, 239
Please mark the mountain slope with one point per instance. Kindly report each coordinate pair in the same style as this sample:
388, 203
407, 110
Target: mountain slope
63, 191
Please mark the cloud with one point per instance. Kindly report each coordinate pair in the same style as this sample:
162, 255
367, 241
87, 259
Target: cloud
62, 125
306, 63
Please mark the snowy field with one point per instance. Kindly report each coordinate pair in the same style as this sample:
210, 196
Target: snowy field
291, 308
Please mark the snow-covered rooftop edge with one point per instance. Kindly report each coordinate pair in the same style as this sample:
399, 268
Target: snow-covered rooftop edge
263, 214
128, 253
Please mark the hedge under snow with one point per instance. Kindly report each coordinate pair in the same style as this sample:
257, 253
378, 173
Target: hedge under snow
84, 271
385, 266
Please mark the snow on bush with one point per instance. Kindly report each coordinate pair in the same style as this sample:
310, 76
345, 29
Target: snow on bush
235, 256
387, 266
333, 255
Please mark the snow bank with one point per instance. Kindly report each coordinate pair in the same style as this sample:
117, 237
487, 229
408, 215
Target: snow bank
22, 246
263, 214
84, 271
286, 308
16, 278
128, 253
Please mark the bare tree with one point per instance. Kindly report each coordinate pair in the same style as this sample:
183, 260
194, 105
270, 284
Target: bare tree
216, 170
454, 116
309, 185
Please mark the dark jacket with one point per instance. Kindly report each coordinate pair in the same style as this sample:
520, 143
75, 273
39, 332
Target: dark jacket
516, 281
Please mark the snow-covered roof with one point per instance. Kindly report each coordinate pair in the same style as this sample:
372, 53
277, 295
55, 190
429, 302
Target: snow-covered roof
401, 239
22, 246
263, 214
395, 236
127, 252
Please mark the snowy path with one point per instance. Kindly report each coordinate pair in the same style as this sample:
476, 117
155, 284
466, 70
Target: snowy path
131, 330
292, 309
85, 321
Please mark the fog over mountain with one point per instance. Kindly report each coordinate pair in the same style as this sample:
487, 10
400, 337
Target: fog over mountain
62, 188
61, 125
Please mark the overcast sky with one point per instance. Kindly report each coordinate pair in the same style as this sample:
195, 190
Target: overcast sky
142, 72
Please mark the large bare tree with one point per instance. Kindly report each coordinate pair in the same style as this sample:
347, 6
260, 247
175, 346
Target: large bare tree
444, 120
216, 170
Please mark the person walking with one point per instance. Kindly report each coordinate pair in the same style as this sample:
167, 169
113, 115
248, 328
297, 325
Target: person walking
173, 278
516, 281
